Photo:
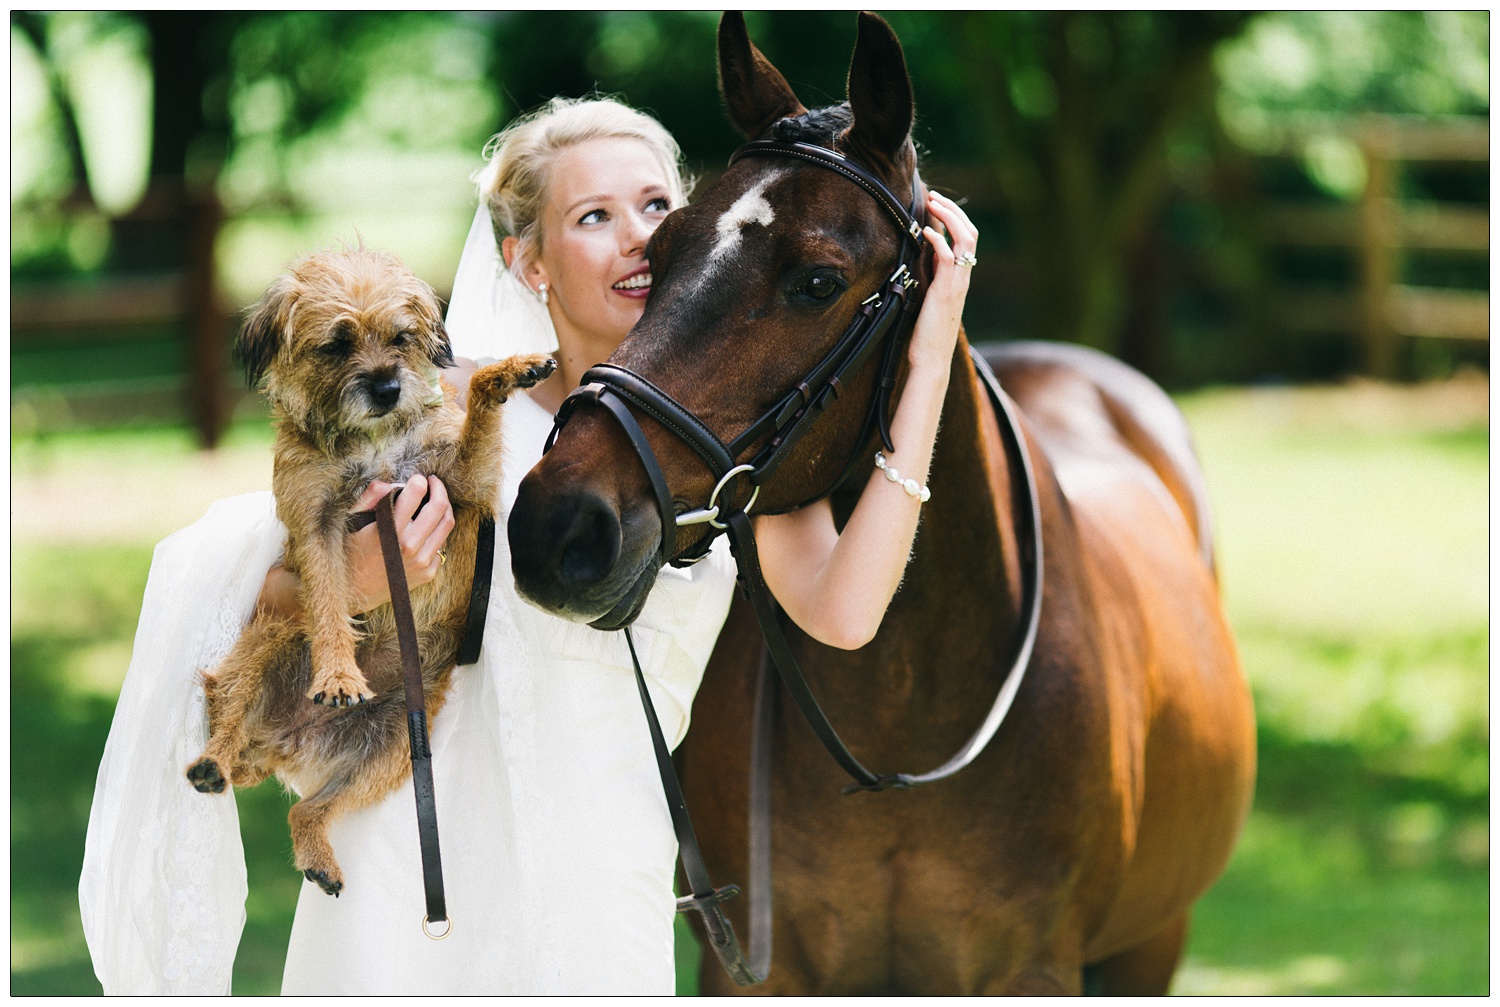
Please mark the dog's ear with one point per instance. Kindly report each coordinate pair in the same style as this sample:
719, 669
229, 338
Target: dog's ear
266, 328
441, 351
434, 337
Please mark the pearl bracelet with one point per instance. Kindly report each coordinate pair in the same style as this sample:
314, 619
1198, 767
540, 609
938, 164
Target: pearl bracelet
912, 487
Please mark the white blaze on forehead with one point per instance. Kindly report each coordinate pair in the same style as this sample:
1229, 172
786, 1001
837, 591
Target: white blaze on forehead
750, 208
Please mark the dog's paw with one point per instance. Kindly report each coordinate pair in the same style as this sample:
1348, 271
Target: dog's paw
206, 777
495, 382
346, 687
535, 370
329, 881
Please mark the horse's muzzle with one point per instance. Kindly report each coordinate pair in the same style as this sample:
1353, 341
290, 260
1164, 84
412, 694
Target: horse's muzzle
574, 555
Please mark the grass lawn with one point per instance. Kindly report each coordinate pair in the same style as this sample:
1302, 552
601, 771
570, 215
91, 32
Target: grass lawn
1353, 535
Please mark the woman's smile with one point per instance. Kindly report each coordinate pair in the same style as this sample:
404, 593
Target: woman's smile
635, 284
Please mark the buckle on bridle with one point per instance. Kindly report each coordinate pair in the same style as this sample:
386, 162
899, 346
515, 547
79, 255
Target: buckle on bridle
688, 903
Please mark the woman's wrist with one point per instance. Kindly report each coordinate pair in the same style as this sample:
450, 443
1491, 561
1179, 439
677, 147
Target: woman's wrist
930, 374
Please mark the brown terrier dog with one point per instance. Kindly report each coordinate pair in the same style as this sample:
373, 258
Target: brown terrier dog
352, 342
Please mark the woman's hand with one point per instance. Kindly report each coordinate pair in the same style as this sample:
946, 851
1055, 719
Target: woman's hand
421, 537
837, 585
936, 331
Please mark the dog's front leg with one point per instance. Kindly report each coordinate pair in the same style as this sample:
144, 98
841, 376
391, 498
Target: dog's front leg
478, 468
326, 593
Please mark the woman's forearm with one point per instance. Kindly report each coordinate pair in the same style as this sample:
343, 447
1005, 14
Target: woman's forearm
842, 600
837, 586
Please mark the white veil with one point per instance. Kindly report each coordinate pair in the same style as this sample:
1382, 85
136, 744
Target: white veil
492, 313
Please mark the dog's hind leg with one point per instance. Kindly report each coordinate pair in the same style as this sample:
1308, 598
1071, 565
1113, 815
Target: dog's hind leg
365, 773
233, 690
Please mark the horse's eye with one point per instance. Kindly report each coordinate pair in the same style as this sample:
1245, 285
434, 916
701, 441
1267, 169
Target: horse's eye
820, 288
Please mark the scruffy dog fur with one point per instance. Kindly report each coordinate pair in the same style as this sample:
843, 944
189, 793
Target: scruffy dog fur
351, 341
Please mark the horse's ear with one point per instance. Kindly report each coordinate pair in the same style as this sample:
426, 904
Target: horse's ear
879, 92
755, 92
268, 325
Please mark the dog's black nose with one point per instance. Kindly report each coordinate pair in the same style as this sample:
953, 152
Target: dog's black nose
384, 392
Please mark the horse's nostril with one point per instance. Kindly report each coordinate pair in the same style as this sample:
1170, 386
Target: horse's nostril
590, 546
385, 391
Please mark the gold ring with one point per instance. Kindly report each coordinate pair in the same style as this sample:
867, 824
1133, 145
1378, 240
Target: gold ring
437, 937
442, 557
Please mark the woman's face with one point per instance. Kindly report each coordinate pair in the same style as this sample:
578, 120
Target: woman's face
605, 198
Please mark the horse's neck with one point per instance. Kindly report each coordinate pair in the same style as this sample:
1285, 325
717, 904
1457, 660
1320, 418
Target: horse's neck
966, 543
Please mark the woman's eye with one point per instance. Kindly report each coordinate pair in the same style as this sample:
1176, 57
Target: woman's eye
661, 204
592, 217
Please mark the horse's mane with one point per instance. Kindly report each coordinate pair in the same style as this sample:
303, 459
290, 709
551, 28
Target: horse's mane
823, 126
820, 125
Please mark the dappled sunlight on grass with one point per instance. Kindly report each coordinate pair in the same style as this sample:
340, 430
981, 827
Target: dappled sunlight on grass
1353, 531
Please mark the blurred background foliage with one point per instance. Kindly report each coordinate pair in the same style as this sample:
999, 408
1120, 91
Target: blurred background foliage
1220, 198
1126, 168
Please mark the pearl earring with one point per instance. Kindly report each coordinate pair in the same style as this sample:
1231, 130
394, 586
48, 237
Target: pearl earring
541, 292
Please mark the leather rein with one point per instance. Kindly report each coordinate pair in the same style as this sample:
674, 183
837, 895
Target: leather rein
882, 323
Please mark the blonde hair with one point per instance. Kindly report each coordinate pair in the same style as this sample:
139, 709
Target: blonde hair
513, 184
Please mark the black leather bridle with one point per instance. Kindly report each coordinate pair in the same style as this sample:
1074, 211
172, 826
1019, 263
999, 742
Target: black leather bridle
880, 323
883, 321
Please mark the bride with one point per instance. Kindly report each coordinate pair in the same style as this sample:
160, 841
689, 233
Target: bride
557, 847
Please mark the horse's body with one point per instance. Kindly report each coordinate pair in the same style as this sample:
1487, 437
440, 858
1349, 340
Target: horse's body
1111, 797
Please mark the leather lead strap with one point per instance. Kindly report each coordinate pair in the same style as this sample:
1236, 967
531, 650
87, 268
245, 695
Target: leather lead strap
760, 818
479, 592
416, 714
705, 898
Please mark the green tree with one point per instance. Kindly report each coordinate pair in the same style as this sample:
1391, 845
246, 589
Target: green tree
1077, 111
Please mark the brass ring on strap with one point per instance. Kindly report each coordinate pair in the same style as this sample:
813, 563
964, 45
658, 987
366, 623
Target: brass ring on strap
428, 931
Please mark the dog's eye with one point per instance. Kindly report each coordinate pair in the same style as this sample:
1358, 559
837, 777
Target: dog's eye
401, 338
338, 347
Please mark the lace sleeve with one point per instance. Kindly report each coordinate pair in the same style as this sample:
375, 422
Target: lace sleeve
163, 887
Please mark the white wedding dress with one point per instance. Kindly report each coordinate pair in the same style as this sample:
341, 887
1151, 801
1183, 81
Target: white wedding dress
558, 852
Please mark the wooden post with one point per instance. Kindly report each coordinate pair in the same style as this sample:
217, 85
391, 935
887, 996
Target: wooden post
207, 324
1377, 262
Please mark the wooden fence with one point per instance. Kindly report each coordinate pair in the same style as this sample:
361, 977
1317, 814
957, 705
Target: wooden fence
1377, 228
147, 345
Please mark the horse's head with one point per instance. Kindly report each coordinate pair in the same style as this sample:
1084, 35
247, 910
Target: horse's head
753, 286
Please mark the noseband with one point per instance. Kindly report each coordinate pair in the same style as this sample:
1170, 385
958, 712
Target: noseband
882, 321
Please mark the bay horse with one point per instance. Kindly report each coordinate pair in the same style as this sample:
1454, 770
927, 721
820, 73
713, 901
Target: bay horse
1112, 795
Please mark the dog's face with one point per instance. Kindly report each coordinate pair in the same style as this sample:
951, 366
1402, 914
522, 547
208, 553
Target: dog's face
350, 342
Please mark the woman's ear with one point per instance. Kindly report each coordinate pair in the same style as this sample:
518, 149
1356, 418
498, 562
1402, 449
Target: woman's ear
532, 272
